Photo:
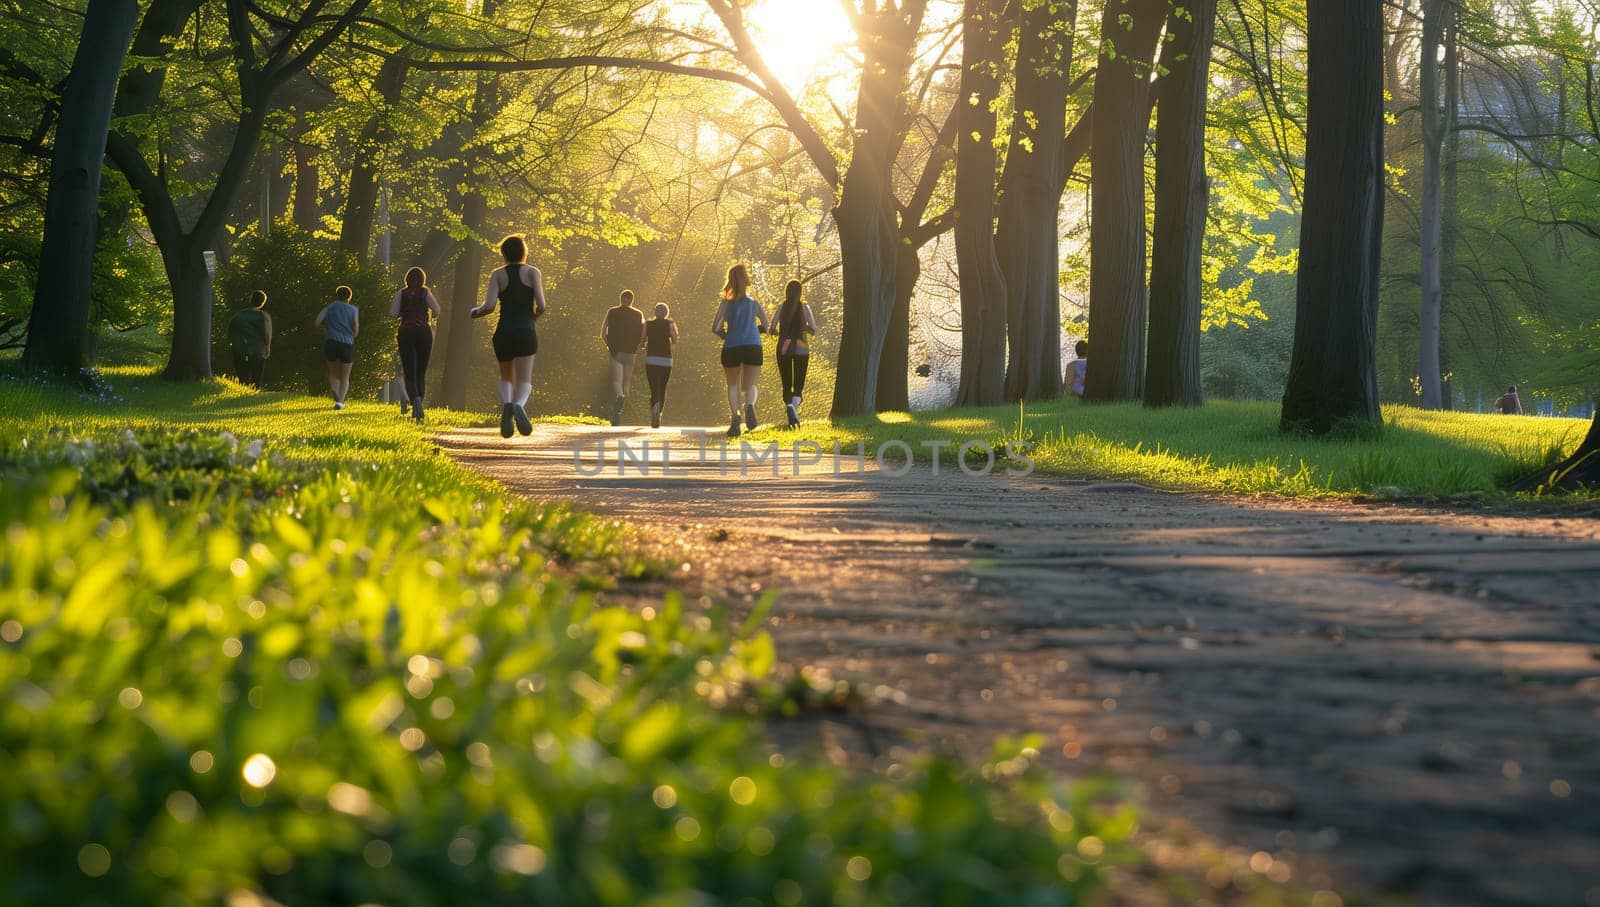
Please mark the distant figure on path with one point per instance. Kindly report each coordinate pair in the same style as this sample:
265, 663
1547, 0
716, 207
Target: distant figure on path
518, 289
740, 323
413, 304
622, 331
1078, 370
1509, 403
250, 335
660, 333
341, 322
794, 323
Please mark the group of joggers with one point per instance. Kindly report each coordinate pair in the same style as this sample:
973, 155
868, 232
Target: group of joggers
517, 290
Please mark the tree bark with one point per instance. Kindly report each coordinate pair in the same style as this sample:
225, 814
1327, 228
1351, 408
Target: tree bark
1579, 471
307, 209
1172, 373
1028, 235
983, 288
894, 367
1429, 372
1449, 194
57, 325
1117, 301
1332, 375
865, 215
355, 231
465, 285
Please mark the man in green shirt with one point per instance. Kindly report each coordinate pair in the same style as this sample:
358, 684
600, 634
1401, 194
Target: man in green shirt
250, 334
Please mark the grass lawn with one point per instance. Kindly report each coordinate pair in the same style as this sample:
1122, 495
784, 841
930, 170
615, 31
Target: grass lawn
1235, 447
252, 648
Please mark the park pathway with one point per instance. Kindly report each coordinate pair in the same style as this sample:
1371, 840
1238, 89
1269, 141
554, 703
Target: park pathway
1381, 700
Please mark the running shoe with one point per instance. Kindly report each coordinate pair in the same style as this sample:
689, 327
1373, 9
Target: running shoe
524, 427
416, 408
733, 428
338, 405
404, 407
750, 416
616, 412
794, 416
506, 419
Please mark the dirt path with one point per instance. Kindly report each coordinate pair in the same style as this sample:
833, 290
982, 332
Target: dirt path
1385, 700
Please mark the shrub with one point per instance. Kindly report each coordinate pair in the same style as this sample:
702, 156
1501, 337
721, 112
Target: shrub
299, 272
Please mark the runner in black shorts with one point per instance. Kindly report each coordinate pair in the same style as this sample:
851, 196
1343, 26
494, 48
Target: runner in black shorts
740, 323
660, 334
518, 290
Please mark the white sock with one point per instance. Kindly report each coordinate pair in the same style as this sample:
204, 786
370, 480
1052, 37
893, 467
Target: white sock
522, 391
795, 402
750, 395
505, 392
733, 400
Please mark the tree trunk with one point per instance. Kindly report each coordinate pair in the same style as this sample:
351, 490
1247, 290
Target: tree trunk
57, 324
307, 209
983, 287
1172, 374
894, 367
865, 215
1429, 372
1577, 472
1332, 375
355, 232
464, 289
190, 358
1449, 194
1117, 314
1028, 236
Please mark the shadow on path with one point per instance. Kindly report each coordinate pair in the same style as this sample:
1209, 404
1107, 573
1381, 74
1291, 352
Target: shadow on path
1385, 700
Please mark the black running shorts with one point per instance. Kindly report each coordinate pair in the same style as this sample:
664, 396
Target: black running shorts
515, 343
334, 351
733, 356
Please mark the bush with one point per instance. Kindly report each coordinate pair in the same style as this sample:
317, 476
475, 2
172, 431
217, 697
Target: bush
299, 271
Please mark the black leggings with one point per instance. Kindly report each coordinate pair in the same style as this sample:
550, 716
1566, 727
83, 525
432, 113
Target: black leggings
658, 375
792, 371
416, 343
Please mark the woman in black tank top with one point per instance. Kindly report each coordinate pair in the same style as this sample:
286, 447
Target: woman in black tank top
660, 333
518, 291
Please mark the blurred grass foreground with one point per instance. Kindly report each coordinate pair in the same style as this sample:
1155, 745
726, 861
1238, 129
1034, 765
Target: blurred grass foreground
252, 650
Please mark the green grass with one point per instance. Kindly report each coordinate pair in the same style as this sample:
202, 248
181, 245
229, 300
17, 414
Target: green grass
1235, 447
251, 648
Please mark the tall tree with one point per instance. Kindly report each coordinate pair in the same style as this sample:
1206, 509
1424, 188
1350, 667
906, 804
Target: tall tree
1129, 31
58, 321
361, 198
1028, 235
259, 73
1332, 376
866, 212
983, 291
465, 284
1172, 372
1434, 123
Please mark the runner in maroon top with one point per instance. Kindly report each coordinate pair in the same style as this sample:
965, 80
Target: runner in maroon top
414, 304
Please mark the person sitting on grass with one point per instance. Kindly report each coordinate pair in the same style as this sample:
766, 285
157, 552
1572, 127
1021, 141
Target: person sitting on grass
340, 320
1078, 370
1509, 403
250, 335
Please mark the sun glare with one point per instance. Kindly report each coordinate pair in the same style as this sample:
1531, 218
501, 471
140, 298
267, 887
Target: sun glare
799, 36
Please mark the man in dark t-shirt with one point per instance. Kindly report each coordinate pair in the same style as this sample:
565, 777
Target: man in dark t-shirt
250, 335
623, 333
